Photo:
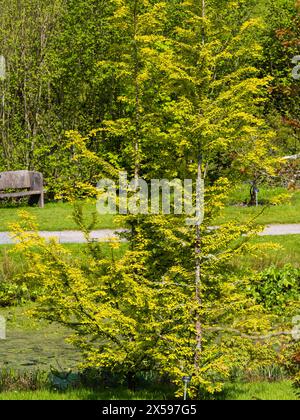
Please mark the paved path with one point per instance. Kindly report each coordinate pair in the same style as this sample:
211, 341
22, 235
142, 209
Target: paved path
273, 230
76, 237
68, 236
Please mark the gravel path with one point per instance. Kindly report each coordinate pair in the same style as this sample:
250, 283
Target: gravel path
76, 237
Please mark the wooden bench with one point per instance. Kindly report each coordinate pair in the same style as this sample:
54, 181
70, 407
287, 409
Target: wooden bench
30, 183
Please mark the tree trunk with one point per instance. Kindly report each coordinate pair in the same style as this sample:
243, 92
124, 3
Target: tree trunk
253, 194
198, 288
137, 95
131, 381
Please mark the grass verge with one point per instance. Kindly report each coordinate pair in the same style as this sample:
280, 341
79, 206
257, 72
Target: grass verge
237, 391
55, 216
287, 213
287, 251
260, 391
58, 216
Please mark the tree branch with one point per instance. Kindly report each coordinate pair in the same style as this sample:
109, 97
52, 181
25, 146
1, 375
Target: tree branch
250, 337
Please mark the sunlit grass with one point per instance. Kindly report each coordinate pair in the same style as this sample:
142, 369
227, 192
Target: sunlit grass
85, 394
287, 251
55, 216
58, 216
260, 391
286, 213
236, 391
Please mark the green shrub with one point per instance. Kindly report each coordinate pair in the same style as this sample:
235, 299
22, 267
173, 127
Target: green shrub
278, 289
13, 288
13, 294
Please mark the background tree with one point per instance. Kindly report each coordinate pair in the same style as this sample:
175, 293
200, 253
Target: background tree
279, 41
27, 29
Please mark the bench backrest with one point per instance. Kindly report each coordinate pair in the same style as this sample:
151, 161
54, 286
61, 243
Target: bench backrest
21, 179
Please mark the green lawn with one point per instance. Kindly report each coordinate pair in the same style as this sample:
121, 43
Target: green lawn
85, 394
260, 391
287, 252
55, 216
58, 216
286, 213
240, 391
16, 260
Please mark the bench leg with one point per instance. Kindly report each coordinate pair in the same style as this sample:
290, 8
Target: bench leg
37, 199
41, 202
